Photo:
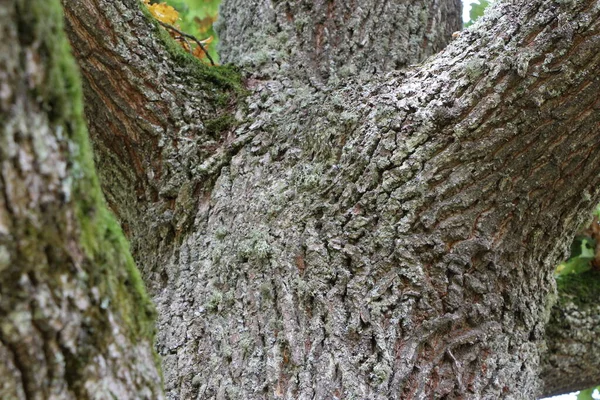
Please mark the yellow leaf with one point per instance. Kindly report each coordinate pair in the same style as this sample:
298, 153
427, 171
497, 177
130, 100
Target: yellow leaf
168, 15
164, 13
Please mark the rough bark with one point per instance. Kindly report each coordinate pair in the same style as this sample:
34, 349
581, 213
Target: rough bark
159, 122
571, 362
390, 237
335, 39
75, 322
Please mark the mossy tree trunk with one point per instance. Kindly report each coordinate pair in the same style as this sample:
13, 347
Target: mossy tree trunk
331, 229
75, 322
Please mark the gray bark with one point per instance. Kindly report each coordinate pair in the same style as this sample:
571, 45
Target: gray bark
378, 237
75, 321
334, 39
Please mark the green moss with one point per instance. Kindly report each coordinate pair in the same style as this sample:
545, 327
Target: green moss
109, 266
582, 289
215, 127
381, 373
256, 246
42, 21
214, 301
225, 77
115, 272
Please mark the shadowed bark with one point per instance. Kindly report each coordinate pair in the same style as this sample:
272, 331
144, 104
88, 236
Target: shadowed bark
75, 321
386, 236
571, 362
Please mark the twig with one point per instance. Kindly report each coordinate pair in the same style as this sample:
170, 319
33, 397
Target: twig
187, 42
458, 365
186, 35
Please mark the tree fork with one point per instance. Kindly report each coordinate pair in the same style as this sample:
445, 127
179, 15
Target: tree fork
378, 237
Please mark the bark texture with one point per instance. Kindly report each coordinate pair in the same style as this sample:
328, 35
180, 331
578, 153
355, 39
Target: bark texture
334, 39
75, 322
160, 123
381, 238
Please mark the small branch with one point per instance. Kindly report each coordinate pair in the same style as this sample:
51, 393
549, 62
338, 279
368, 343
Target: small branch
188, 36
187, 42
458, 366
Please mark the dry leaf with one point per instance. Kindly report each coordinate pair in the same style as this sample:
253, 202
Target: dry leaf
163, 12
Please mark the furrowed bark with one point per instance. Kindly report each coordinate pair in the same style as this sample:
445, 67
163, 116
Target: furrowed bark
334, 39
161, 122
75, 321
390, 237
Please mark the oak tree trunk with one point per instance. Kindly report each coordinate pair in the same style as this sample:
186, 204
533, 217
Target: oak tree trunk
339, 223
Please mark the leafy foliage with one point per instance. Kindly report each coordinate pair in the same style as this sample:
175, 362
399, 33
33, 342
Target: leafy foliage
197, 17
587, 394
184, 24
585, 250
163, 12
476, 11
582, 253
585, 254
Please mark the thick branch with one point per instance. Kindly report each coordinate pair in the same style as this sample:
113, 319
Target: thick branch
397, 237
391, 237
324, 39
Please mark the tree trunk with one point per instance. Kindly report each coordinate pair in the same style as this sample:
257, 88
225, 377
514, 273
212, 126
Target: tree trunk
334, 39
75, 321
327, 233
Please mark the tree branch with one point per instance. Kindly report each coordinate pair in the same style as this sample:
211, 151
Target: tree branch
154, 112
334, 39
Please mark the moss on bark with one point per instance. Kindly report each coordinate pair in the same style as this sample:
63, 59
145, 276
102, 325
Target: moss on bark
226, 77
101, 237
581, 288
48, 84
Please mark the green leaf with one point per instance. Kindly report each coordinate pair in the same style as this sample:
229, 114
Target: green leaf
582, 253
573, 266
586, 394
477, 10
583, 247
191, 13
